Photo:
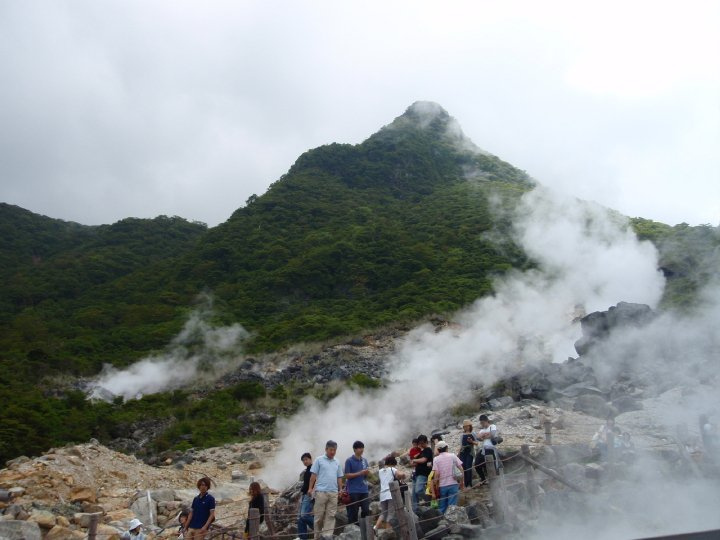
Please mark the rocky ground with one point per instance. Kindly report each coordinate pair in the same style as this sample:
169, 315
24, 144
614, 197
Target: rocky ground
55, 495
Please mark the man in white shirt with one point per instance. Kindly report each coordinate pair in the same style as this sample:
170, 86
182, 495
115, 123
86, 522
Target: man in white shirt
486, 435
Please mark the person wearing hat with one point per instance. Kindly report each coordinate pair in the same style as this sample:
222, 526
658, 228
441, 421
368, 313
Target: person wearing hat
444, 478
134, 531
468, 442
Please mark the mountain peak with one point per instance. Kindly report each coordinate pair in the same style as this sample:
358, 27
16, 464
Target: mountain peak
432, 117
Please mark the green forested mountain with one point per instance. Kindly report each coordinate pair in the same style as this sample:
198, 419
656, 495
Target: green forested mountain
353, 236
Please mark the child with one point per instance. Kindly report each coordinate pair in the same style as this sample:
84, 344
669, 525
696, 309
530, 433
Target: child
182, 519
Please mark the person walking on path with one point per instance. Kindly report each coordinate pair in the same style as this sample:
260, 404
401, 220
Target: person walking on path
305, 516
423, 466
468, 442
202, 512
356, 484
325, 485
444, 478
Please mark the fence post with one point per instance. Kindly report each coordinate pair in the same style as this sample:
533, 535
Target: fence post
548, 431
254, 523
406, 523
266, 513
531, 483
368, 533
495, 488
92, 528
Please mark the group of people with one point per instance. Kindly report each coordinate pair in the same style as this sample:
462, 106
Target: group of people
438, 475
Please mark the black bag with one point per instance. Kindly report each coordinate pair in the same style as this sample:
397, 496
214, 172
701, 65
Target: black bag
403, 485
496, 440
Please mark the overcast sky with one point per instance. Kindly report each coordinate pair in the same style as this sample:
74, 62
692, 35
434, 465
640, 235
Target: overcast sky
140, 108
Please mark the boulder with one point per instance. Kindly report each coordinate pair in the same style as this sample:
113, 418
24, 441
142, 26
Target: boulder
593, 405
82, 519
456, 515
429, 518
626, 403
44, 518
165, 494
20, 530
108, 532
439, 532
144, 508
81, 494
386, 534
500, 403
63, 533
351, 532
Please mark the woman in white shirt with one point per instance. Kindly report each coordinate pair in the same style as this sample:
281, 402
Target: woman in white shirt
388, 473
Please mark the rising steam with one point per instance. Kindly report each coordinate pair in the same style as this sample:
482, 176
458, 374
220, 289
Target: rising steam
199, 351
586, 257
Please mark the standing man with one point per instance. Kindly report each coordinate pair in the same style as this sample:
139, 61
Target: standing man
325, 485
486, 435
305, 517
422, 464
202, 512
356, 471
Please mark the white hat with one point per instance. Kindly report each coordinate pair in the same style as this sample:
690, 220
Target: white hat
134, 524
441, 444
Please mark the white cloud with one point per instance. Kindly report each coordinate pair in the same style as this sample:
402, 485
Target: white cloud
136, 109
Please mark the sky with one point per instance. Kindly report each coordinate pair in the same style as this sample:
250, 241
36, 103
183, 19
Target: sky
139, 108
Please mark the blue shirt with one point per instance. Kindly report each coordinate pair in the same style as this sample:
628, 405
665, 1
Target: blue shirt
359, 483
327, 471
201, 507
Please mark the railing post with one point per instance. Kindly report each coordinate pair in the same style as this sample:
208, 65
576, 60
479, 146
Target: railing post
495, 488
531, 483
254, 523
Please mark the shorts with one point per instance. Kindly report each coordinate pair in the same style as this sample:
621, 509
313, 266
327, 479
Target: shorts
385, 507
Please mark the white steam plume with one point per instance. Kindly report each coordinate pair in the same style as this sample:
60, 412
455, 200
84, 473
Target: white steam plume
676, 358
585, 258
199, 350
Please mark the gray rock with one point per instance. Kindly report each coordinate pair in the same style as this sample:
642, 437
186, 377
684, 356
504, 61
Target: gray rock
20, 530
143, 508
386, 534
593, 405
17, 461
4, 495
351, 532
14, 510
470, 531
429, 518
439, 532
456, 515
165, 494
500, 403
626, 403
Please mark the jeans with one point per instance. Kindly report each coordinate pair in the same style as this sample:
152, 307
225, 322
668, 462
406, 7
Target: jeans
326, 503
418, 495
358, 501
305, 518
467, 460
448, 497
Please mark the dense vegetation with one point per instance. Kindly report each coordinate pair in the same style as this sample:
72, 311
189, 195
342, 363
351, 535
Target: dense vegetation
393, 229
